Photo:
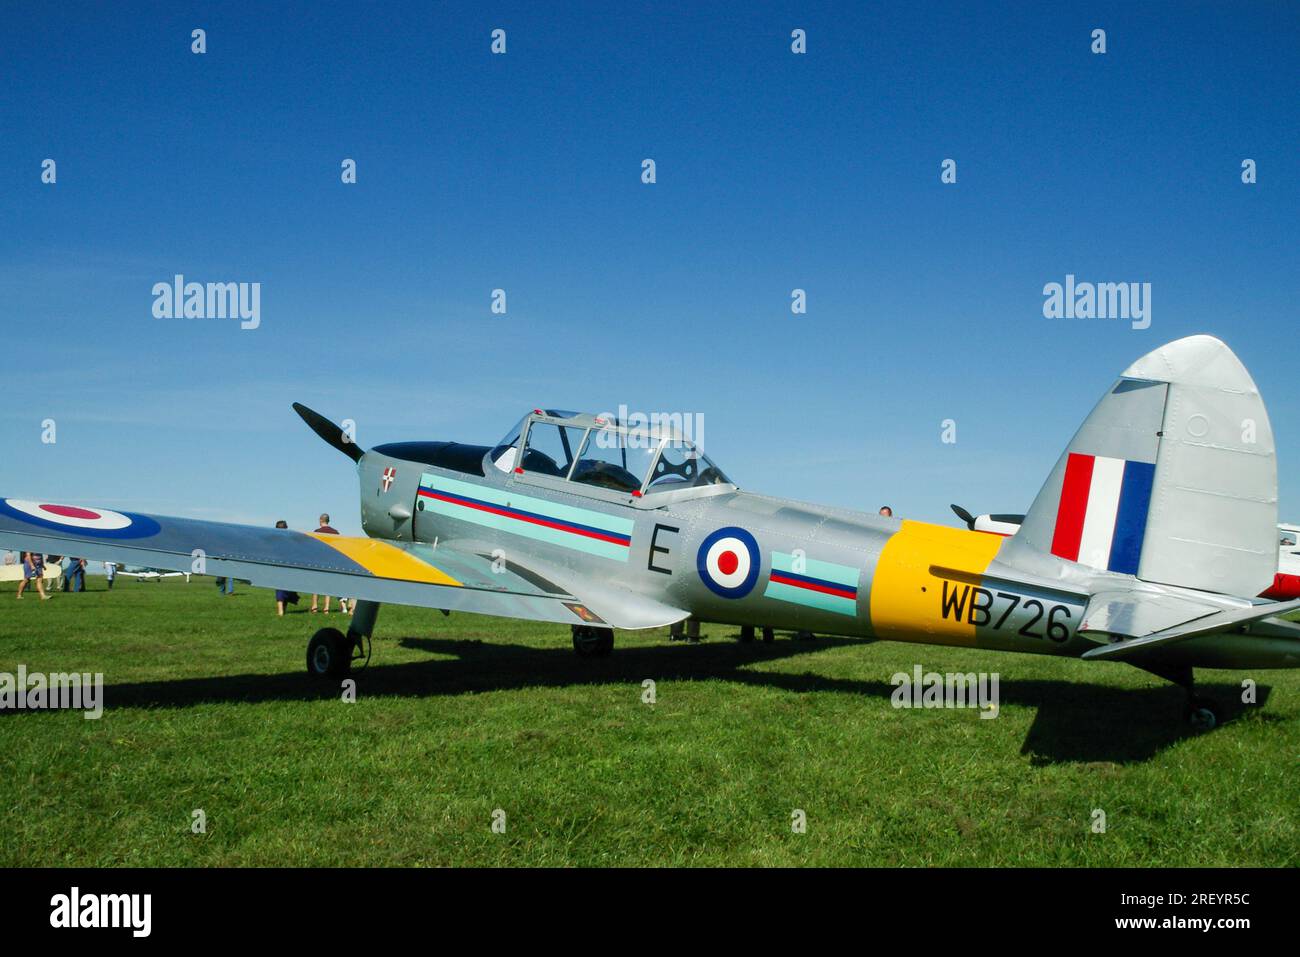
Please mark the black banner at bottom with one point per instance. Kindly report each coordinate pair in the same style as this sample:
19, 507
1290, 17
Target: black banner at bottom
334, 906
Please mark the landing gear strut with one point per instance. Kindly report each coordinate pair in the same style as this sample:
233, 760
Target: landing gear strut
1199, 712
330, 653
591, 642
688, 630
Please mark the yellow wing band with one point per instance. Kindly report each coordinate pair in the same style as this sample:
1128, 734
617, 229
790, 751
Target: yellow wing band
386, 561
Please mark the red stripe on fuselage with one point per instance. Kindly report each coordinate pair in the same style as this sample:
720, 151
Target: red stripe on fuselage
1073, 506
504, 513
814, 586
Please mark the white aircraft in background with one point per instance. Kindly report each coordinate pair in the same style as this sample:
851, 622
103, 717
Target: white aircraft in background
141, 573
1286, 582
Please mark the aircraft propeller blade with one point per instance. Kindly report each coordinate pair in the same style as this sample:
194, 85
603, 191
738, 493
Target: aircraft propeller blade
330, 432
964, 515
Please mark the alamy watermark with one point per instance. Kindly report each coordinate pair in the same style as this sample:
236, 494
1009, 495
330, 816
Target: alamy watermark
179, 299
76, 909
1100, 300
36, 691
929, 689
645, 429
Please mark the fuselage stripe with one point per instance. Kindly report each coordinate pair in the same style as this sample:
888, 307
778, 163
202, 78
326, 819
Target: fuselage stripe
813, 584
587, 531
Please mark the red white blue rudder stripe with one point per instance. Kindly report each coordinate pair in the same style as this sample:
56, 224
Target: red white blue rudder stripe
1102, 517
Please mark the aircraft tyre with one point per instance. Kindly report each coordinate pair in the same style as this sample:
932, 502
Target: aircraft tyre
329, 655
1202, 714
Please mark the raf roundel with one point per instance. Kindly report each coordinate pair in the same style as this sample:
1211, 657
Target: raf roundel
728, 562
95, 522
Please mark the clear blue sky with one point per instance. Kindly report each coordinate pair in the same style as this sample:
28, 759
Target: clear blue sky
522, 171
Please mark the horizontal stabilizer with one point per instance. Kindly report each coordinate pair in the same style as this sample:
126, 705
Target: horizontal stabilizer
1227, 619
1138, 614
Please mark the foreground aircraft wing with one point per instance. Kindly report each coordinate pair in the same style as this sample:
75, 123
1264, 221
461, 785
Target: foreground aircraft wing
1136, 622
401, 573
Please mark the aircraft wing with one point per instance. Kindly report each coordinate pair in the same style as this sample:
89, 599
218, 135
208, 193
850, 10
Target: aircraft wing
444, 576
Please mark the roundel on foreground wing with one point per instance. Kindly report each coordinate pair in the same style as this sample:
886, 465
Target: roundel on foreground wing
96, 522
728, 562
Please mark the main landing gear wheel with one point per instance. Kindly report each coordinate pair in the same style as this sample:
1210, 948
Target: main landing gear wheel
1202, 714
591, 642
329, 654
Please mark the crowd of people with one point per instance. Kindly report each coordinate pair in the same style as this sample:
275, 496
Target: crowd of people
72, 576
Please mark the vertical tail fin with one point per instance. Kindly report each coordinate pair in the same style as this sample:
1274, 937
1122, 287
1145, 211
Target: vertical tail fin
1172, 478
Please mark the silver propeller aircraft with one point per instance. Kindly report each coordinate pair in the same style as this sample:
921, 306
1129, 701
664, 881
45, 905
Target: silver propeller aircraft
1151, 533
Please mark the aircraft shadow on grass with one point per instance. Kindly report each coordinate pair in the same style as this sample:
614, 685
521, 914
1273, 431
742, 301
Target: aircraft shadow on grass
1074, 721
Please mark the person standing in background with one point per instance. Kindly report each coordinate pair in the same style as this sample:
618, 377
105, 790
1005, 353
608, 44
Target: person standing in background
325, 529
78, 574
283, 597
110, 573
33, 569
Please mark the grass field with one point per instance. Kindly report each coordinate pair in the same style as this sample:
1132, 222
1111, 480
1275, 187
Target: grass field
208, 706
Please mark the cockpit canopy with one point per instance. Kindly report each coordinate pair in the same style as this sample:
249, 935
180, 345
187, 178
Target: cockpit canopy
602, 452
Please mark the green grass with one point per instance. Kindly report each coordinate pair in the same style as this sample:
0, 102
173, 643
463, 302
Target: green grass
209, 706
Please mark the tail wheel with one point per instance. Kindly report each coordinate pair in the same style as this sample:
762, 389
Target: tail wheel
591, 642
1202, 715
329, 654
